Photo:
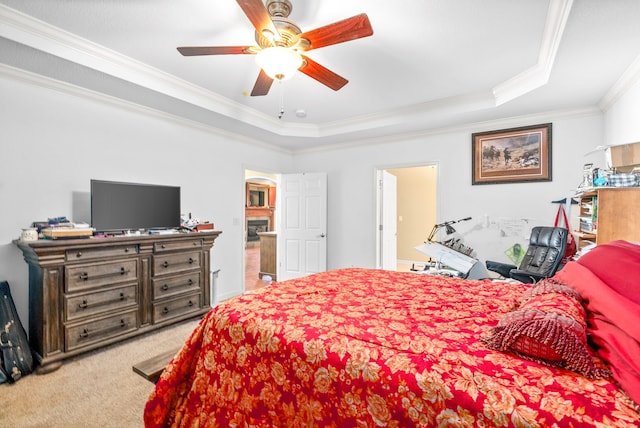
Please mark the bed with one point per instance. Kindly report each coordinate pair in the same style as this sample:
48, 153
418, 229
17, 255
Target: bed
373, 348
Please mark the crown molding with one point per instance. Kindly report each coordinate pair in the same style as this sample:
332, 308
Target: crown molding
42, 36
538, 75
88, 94
39, 35
629, 78
81, 92
470, 127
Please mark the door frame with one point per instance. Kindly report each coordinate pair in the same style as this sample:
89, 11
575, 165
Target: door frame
387, 186
279, 214
378, 200
267, 174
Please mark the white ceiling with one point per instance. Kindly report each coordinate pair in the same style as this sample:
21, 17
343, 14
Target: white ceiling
430, 64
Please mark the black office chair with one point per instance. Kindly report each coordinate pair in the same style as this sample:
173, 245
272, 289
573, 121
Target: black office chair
542, 259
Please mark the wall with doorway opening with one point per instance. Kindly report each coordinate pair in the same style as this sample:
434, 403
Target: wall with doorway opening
351, 238
416, 208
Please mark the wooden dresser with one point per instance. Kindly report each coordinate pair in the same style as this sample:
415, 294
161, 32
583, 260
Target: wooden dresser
88, 293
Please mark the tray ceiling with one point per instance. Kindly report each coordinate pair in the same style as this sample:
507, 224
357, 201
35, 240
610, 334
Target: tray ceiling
430, 64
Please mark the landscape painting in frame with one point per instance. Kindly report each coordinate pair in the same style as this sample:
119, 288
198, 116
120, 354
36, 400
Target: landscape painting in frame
512, 155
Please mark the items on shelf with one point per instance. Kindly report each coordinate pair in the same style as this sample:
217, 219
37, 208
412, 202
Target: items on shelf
67, 232
61, 228
194, 224
55, 228
623, 169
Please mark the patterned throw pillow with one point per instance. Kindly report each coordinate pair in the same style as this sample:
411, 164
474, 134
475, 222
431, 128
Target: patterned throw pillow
549, 327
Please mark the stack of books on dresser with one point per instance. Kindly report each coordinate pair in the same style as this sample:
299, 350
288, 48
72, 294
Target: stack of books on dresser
66, 229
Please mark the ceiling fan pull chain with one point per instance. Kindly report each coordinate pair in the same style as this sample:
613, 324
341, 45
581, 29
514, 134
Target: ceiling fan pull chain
281, 84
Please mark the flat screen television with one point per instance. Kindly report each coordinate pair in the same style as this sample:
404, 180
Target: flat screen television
117, 206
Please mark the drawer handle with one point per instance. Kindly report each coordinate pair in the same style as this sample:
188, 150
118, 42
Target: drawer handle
162, 246
190, 304
190, 260
165, 264
86, 333
84, 304
165, 287
165, 310
79, 254
85, 276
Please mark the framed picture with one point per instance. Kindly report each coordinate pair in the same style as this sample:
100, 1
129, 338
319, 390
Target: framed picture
513, 155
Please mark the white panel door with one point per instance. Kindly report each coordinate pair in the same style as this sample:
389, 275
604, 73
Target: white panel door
389, 221
302, 235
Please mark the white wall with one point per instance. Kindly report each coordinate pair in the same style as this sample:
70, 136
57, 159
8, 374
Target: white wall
622, 120
351, 220
53, 143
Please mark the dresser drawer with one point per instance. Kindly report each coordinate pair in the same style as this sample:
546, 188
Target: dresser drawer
160, 247
174, 308
89, 304
176, 262
173, 285
101, 253
99, 330
86, 277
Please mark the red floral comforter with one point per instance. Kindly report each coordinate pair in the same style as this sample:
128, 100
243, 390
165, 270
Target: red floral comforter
370, 348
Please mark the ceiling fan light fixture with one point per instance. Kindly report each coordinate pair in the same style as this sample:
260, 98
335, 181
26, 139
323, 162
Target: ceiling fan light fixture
279, 62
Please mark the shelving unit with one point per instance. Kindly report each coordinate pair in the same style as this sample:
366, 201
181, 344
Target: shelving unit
608, 214
588, 219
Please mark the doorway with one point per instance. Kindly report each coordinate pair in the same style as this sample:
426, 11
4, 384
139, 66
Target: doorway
414, 214
296, 215
260, 193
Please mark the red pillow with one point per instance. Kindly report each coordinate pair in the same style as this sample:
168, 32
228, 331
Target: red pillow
549, 327
613, 319
622, 255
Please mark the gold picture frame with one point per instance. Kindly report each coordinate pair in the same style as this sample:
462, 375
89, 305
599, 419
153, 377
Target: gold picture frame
514, 155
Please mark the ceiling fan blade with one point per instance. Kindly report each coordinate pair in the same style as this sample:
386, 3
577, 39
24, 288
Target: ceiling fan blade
322, 74
262, 85
352, 28
214, 50
260, 18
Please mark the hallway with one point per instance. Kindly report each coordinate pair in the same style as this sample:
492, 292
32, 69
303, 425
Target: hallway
252, 280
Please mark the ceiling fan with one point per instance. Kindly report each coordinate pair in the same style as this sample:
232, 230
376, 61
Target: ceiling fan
281, 43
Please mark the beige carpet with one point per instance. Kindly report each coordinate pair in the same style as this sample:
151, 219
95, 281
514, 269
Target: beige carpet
97, 389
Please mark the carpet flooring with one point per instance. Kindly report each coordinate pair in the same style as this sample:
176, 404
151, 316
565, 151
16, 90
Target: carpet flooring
97, 389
